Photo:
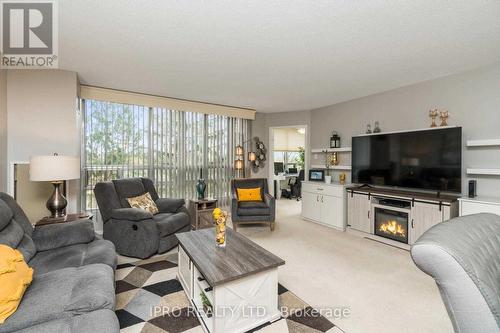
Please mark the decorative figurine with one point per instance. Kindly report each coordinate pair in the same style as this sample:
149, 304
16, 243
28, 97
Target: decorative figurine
220, 217
377, 128
342, 178
433, 114
444, 115
201, 186
368, 129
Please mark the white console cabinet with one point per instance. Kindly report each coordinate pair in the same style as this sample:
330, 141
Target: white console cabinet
477, 205
324, 203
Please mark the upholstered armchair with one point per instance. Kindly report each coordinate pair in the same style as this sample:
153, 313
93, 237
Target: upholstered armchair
136, 232
463, 256
252, 211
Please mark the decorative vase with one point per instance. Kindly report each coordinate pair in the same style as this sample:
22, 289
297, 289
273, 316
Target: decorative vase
342, 178
220, 217
201, 186
377, 128
334, 158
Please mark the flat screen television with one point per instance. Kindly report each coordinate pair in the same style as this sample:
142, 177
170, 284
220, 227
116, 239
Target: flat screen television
426, 159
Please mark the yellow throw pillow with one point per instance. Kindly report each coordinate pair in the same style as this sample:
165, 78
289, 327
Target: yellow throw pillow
15, 277
249, 194
143, 202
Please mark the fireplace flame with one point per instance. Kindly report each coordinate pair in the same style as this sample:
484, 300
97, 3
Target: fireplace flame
393, 227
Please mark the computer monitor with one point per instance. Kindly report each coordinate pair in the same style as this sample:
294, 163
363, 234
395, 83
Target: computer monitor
292, 170
279, 167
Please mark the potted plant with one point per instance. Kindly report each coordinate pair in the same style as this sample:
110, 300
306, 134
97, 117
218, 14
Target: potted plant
207, 306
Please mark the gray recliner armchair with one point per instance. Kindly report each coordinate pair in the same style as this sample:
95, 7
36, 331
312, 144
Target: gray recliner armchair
136, 232
463, 256
252, 211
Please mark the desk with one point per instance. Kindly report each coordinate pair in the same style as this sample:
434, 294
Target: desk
277, 182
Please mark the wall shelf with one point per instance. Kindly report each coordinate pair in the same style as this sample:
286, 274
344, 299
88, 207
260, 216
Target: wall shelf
483, 143
482, 171
332, 167
331, 150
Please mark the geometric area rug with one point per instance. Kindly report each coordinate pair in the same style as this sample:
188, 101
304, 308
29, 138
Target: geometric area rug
145, 285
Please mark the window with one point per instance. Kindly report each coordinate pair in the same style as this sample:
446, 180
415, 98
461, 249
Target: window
168, 146
290, 159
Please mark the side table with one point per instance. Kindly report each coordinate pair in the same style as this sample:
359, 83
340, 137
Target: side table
67, 218
200, 212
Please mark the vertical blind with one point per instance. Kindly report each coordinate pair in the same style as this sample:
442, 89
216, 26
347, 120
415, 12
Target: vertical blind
168, 146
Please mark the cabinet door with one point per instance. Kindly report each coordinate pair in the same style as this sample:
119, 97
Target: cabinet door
311, 208
423, 216
332, 211
358, 207
184, 273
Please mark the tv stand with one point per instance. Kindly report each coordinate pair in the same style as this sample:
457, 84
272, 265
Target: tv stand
423, 209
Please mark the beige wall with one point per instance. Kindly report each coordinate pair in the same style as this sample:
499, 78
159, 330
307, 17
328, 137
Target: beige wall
3, 130
42, 118
473, 99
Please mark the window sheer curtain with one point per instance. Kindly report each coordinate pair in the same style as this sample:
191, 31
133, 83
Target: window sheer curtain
168, 146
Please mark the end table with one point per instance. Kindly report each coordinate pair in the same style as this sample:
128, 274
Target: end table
68, 218
200, 212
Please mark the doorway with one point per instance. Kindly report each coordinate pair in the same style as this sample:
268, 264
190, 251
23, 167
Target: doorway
288, 158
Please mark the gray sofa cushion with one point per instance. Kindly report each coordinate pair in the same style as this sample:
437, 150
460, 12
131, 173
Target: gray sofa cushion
11, 235
19, 214
6, 214
27, 248
251, 208
170, 223
166, 205
96, 321
99, 251
131, 214
57, 235
63, 294
128, 188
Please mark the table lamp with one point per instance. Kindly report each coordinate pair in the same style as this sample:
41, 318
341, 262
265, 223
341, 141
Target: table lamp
55, 169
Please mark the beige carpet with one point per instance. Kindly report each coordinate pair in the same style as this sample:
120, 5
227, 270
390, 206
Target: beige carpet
380, 284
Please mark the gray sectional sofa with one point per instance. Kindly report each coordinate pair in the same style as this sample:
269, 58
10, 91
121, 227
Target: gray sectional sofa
73, 284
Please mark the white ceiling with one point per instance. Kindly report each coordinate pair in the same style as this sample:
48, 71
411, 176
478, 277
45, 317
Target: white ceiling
274, 55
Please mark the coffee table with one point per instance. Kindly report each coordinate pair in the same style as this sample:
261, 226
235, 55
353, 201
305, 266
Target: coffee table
239, 282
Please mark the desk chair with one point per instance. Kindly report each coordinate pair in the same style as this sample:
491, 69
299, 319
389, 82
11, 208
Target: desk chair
296, 186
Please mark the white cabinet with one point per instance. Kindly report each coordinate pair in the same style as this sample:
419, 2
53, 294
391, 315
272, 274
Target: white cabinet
477, 205
324, 203
359, 215
311, 206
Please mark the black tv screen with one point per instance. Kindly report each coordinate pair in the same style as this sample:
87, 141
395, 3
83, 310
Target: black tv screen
427, 159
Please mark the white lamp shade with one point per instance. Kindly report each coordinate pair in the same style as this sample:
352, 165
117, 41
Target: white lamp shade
54, 168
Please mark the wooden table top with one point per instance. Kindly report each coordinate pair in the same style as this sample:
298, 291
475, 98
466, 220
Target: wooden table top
66, 218
241, 257
406, 193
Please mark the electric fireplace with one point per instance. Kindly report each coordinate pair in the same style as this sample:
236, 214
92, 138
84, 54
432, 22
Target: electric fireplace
391, 224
